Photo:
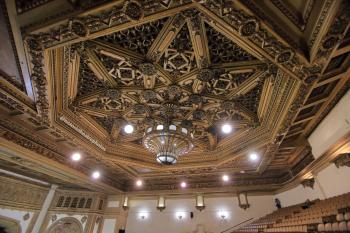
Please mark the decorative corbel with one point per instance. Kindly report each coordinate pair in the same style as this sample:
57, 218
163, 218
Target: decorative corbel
342, 160
308, 183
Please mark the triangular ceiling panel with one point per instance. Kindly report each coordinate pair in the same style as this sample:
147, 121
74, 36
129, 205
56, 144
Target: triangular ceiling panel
88, 82
138, 39
251, 99
179, 58
224, 50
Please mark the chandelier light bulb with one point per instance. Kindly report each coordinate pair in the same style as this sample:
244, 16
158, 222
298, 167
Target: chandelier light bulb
76, 156
225, 178
96, 174
129, 129
226, 128
139, 183
253, 156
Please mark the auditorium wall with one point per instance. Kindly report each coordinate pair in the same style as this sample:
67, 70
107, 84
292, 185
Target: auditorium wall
144, 215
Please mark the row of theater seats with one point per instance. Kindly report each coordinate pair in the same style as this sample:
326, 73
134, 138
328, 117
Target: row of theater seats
341, 225
329, 215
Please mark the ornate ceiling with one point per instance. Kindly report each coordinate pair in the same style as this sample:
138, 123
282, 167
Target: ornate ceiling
94, 68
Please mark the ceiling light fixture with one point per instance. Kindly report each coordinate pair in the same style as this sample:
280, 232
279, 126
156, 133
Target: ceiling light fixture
139, 183
168, 142
225, 178
253, 156
226, 128
128, 129
183, 184
96, 174
76, 156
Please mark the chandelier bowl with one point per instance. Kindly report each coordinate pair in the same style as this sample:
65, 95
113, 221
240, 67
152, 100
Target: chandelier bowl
168, 142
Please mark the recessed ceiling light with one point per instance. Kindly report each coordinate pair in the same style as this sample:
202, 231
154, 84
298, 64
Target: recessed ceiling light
76, 156
96, 174
183, 184
225, 178
226, 128
128, 129
139, 183
253, 156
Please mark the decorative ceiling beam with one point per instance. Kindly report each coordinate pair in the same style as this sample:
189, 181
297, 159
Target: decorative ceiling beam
73, 73
240, 66
265, 97
116, 52
164, 75
168, 33
100, 22
99, 69
267, 157
199, 41
246, 86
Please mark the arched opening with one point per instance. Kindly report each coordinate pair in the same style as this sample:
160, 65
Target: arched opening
66, 225
8, 225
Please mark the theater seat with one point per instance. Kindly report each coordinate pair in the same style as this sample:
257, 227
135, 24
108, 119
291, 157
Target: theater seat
349, 225
335, 226
347, 216
328, 227
343, 227
320, 227
340, 217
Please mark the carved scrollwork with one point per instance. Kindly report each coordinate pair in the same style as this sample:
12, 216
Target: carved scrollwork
284, 56
248, 28
133, 10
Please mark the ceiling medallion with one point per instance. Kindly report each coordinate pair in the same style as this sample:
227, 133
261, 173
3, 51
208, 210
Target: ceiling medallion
168, 142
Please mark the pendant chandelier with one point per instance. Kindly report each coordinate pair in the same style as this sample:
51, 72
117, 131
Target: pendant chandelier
168, 142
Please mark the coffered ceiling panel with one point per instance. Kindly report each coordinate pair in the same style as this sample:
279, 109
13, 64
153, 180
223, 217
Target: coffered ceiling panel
197, 64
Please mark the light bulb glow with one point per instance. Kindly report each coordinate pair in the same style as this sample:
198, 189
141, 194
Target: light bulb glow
225, 178
253, 156
226, 128
139, 183
183, 184
96, 174
129, 129
76, 156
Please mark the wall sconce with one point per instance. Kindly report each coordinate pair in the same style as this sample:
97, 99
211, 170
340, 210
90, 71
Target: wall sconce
223, 215
243, 201
180, 215
126, 203
143, 215
161, 203
200, 202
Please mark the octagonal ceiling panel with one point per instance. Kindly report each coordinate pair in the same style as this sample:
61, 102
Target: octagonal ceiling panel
196, 64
